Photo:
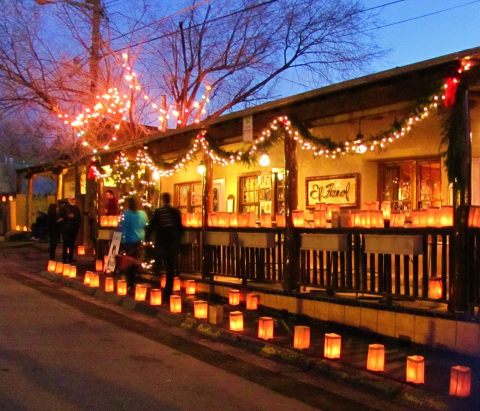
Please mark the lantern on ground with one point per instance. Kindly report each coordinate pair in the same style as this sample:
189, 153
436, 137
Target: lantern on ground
333, 346
140, 292
175, 304
215, 314
435, 288
190, 287
66, 270
73, 272
98, 265
103, 221
87, 278
460, 381
177, 284
200, 309
81, 250
376, 357
156, 296
236, 321
121, 287
109, 285
25, 228
163, 280
94, 280
252, 301
265, 328
51, 266
59, 268
301, 337
298, 217
234, 297
416, 369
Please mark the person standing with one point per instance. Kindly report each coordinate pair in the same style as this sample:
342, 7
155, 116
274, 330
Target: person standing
111, 203
53, 229
166, 225
70, 219
132, 225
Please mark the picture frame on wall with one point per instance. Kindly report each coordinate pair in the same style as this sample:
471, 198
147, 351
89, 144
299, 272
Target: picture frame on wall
342, 189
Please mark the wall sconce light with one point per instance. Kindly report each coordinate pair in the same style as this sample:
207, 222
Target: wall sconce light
201, 169
156, 175
264, 160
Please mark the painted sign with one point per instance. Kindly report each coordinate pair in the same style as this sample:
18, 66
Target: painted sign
109, 267
342, 190
248, 128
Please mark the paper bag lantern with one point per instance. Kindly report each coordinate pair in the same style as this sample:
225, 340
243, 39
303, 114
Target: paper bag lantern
234, 297
280, 220
121, 287
416, 369
140, 292
460, 381
333, 346
233, 220
103, 221
301, 337
200, 309
87, 278
72, 272
94, 280
109, 285
66, 270
175, 304
190, 287
236, 321
156, 296
51, 266
81, 250
435, 288
215, 314
319, 218
266, 220
59, 268
252, 301
376, 357
177, 284
98, 265
163, 280
298, 217
265, 328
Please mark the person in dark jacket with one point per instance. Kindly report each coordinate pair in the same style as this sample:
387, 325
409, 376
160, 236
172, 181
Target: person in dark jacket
166, 227
70, 219
53, 229
111, 203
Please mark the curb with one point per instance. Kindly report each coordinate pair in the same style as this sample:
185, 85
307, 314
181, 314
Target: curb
398, 392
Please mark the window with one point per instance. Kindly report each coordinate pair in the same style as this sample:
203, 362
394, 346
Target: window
188, 197
411, 184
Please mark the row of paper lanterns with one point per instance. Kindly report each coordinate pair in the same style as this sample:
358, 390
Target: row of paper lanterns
460, 377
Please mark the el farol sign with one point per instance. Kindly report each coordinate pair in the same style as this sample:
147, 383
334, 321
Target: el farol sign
341, 189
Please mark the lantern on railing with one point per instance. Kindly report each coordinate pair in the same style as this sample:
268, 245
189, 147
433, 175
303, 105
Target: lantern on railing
25, 228
234, 297
236, 321
332, 208
416, 217
446, 216
397, 220
109, 285
333, 346
223, 219
94, 280
460, 381
252, 301
431, 216
81, 250
200, 309
72, 272
416, 369
190, 287
140, 292
103, 221
59, 268
98, 265
177, 284
435, 288
156, 296
233, 220
265, 220
376, 219
473, 216
66, 270
51, 266
265, 328
376, 357
212, 220
301, 337
319, 218
280, 220
163, 280
386, 208
121, 287
87, 278
298, 218
175, 304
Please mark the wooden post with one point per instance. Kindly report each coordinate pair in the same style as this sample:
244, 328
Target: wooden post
291, 240
207, 205
29, 205
460, 271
